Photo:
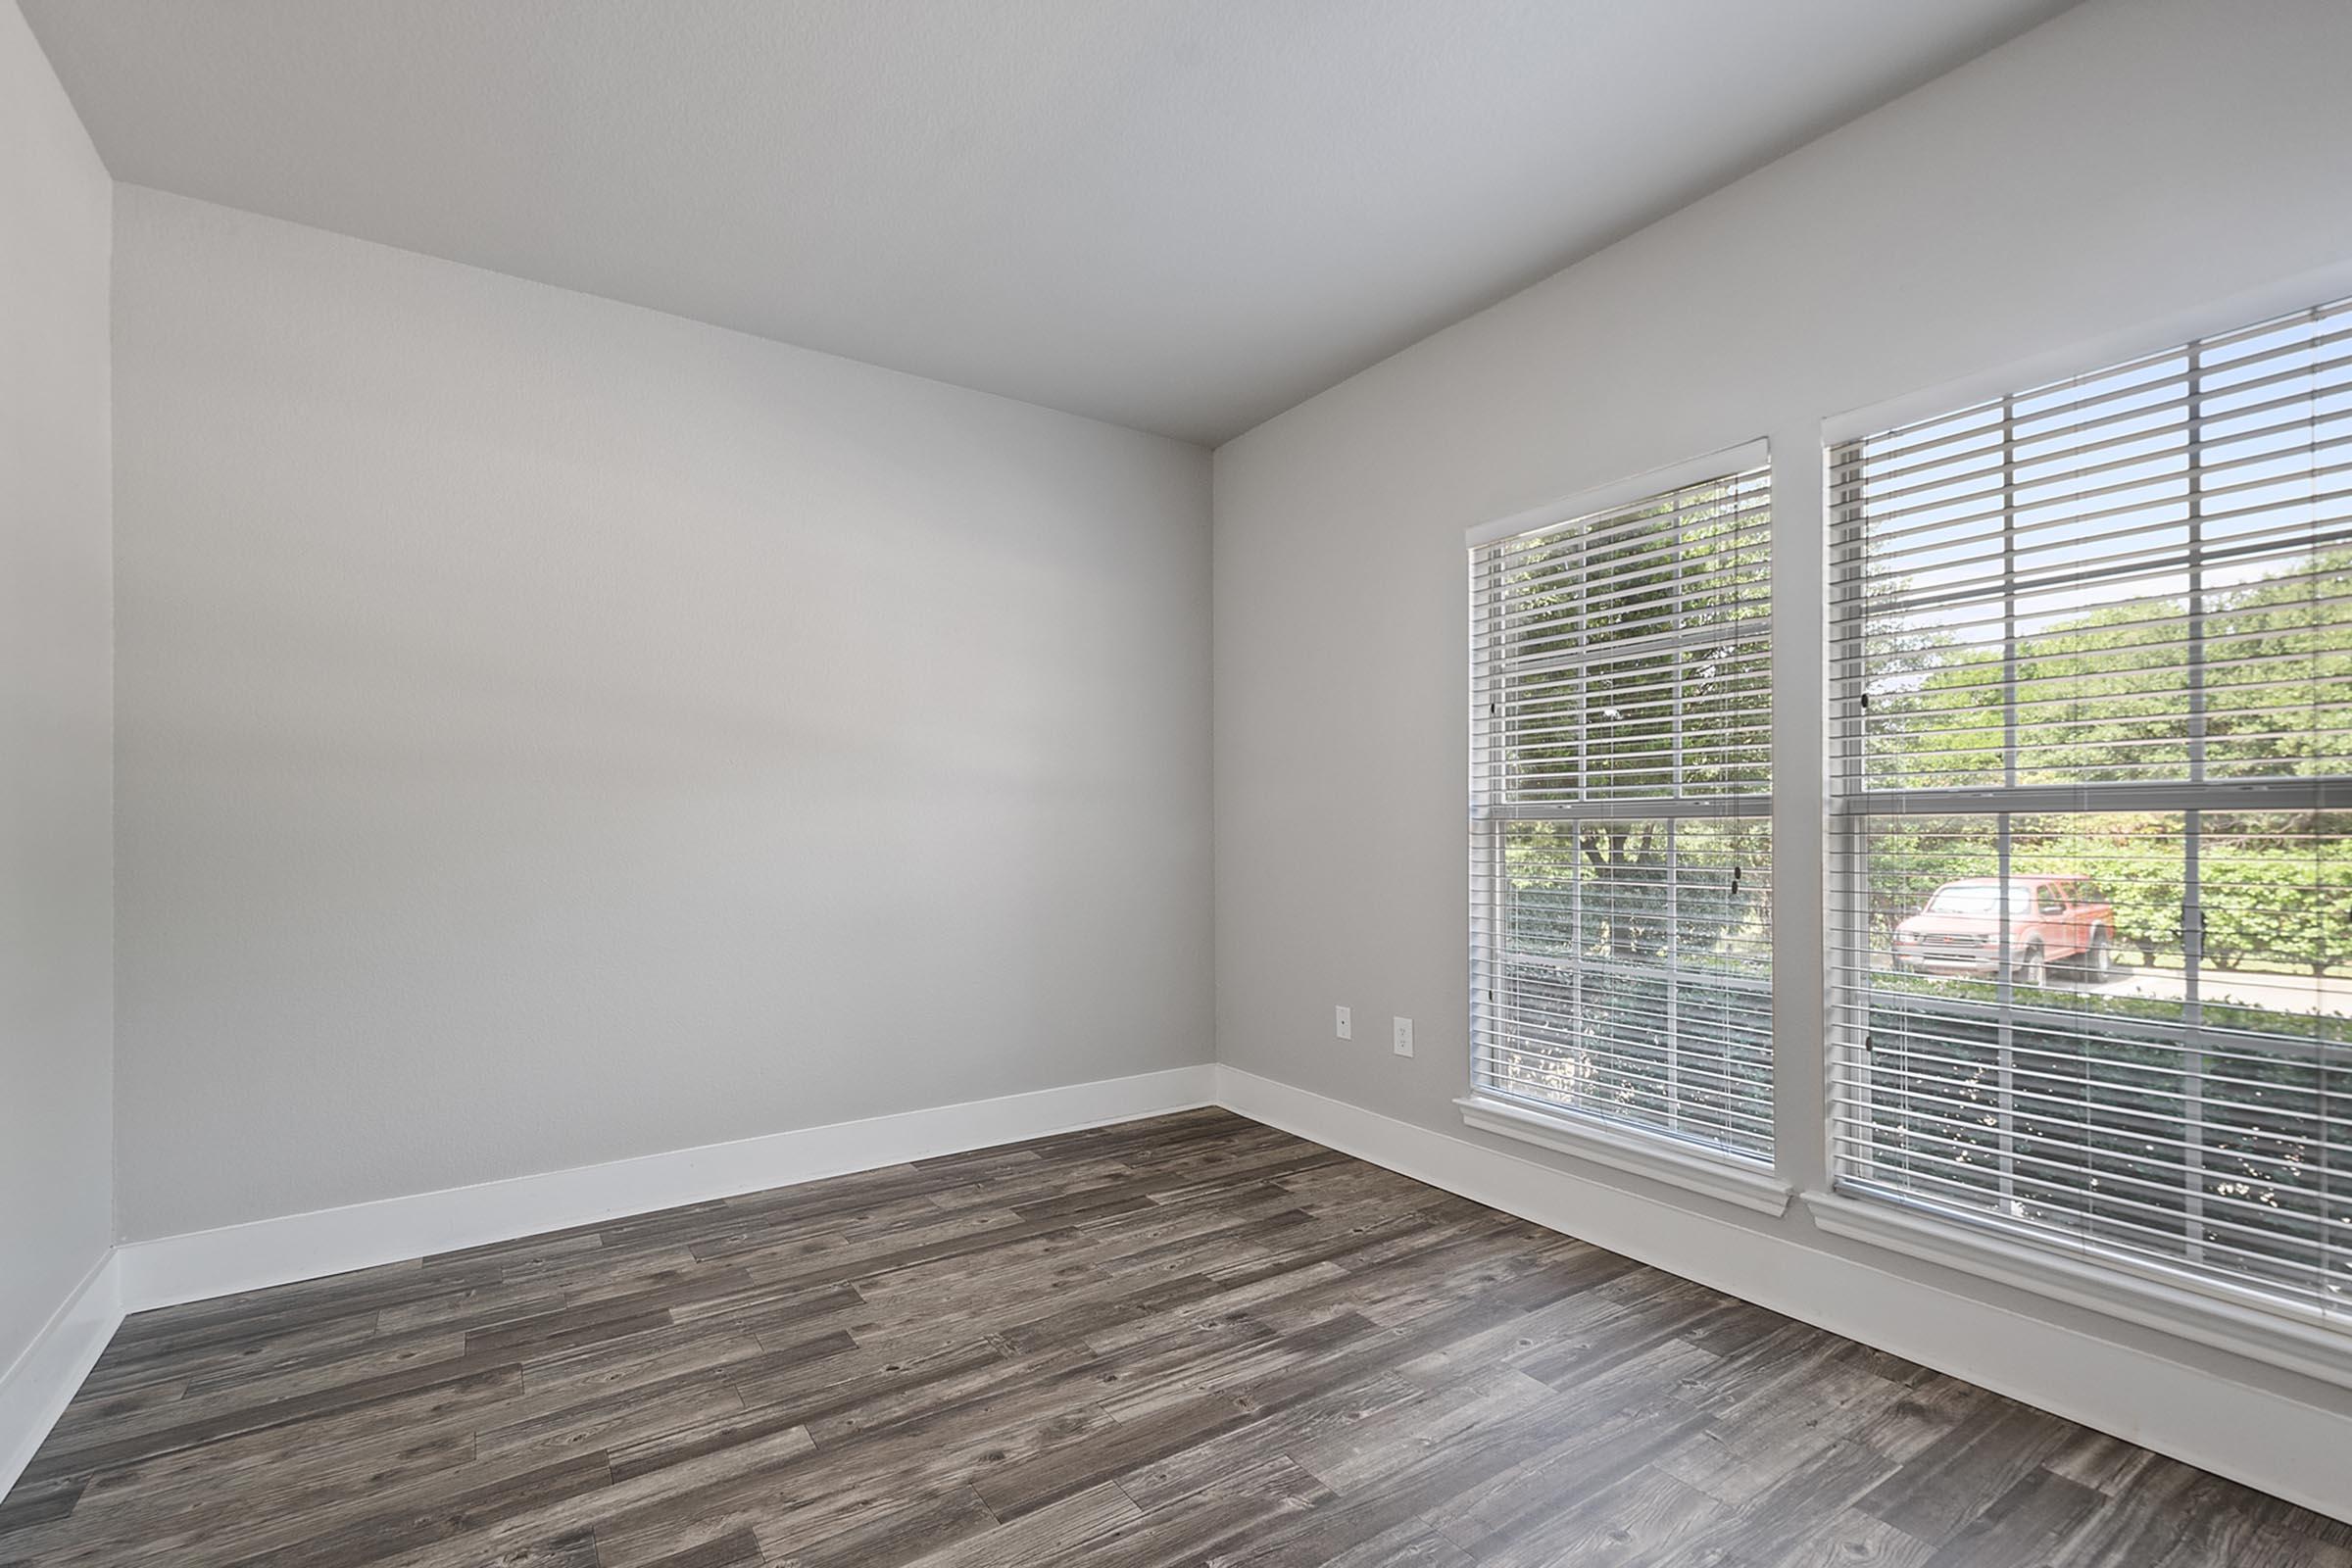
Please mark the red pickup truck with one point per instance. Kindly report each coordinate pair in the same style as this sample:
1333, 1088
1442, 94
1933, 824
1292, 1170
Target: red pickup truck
2053, 920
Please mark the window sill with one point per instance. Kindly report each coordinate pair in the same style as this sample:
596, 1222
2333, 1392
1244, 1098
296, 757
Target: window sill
1749, 1186
2258, 1332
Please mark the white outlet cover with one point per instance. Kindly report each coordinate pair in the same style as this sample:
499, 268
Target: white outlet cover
1404, 1028
1343, 1023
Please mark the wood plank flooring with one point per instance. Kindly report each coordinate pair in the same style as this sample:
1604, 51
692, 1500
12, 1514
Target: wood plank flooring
1189, 1340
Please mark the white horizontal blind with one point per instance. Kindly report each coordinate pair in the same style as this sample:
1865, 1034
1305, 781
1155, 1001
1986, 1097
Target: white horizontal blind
1621, 801
2092, 858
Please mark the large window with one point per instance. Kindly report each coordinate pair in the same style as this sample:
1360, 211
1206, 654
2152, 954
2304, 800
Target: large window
1620, 817
2091, 874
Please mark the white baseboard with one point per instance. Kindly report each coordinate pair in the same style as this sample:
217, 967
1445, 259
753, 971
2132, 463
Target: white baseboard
135, 1276
33, 1392
2279, 1445
333, 1241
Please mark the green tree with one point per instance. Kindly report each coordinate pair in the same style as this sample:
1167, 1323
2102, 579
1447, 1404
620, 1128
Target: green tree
2107, 695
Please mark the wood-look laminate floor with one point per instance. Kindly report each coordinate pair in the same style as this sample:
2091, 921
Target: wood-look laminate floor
1188, 1340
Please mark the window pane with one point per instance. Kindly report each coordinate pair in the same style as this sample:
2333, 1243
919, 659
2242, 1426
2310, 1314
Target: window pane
1635, 980
1619, 839
1630, 657
2092, 867
2104, 1072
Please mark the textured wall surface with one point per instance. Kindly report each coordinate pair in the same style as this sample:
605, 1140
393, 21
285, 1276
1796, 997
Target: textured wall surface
552, 731
56, 674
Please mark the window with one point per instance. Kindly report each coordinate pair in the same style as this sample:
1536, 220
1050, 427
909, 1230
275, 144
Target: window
1620, 818
2092, 848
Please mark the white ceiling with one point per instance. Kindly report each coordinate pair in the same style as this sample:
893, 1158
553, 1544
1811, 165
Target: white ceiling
1179, 215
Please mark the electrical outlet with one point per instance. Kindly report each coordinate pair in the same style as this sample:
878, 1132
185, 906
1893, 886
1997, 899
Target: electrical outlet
1343, 1023
1404, 1028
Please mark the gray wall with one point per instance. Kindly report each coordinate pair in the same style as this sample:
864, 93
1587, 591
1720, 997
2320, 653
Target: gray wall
56, 765
2129, 161
550, 732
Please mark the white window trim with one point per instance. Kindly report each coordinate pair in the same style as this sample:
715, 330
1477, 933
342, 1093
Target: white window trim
1656, 1155
2207, 1314
1636, 1151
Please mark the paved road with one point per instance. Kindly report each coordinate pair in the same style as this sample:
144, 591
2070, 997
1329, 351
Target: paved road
2284, 993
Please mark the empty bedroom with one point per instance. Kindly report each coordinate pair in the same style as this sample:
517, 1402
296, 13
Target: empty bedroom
1175, 783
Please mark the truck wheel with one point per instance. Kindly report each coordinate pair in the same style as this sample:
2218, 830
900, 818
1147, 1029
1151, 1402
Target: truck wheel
2029, 969
2094, 963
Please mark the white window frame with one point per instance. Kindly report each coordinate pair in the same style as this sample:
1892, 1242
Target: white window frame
1724, 1175
2253, 1324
